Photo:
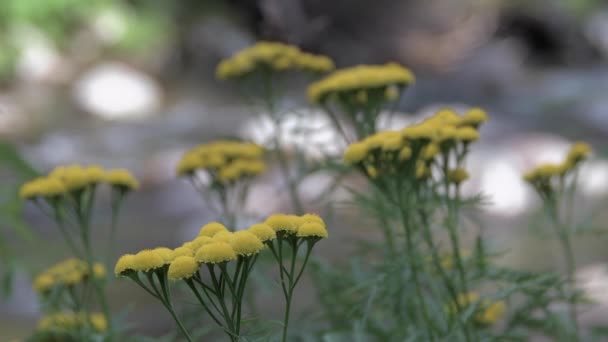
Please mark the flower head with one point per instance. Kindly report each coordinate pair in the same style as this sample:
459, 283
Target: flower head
245, 243
122, 179
212, 228
182, 267
182, 251
312, 229
215, 252
282, 222
263, 231
458, 176
147, 260
124, 263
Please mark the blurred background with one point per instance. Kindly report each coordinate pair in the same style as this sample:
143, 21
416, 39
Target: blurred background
130, 83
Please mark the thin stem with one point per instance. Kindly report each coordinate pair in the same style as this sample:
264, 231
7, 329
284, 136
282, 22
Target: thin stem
566, 244
202, 301
414, 266
165, 298
115, 208
294, 252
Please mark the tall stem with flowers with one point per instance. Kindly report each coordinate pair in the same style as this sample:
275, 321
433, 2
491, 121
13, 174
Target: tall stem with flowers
72, 289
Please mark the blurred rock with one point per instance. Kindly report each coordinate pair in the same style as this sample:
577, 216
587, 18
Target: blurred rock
116, 91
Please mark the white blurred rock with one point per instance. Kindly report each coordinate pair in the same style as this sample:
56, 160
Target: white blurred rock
593, 179
116, 91
309, 131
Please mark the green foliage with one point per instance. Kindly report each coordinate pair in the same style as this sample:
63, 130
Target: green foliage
14, 171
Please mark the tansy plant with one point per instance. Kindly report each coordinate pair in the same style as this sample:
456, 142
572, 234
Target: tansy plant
358, 94
67, 195
222, 171
217, 263
556, 186
261, 70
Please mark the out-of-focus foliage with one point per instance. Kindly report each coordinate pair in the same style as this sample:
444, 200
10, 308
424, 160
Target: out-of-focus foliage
13, 171
117, 25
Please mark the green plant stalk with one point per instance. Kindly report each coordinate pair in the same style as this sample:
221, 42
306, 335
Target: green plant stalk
452, 225
564, 239
83, 213
164, 296
219, 286
427, 235
115, 209
413, 261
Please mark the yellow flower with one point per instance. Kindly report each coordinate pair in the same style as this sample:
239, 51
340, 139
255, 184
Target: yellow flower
182, 251
223, 236
263, 231
422, 170
124, 263
277, 56
147, 260
182, 267
307, 218
282, 222
466, 134
121, 178
211, 229
245, 243
312, 229
355, 153
371, 171
405, 153
475, 116
491, 312
189, 163
361, 77
200, 241
458, 175
30, 189
579, 151
430, 151
98, 322
94, 174
215, 252
43, 283
99, 271
392, 142
165, 253
391, 93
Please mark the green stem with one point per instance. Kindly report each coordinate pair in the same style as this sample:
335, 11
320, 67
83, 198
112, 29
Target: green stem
413, 260
566, 244
218, 285
202, 301
290, 288
165, 298
115, 208
83, 213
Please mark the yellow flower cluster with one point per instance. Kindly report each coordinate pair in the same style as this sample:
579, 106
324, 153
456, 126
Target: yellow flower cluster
416, 147
360, 83
216, 244
305, 226
271, 56
69, 321
224, 161
64, 179
542, 173
488, 312
67, 273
